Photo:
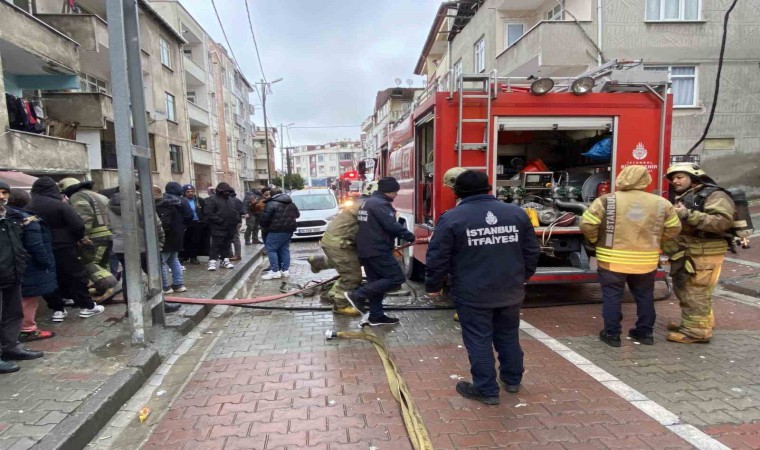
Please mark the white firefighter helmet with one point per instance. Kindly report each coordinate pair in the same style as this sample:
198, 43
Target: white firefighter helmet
450, 177
369, 188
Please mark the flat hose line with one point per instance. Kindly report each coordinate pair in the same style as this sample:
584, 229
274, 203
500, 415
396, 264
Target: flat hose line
415, 426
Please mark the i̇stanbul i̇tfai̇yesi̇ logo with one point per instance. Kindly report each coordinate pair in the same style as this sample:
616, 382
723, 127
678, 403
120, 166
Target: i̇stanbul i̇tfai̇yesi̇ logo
640, 152
491, 218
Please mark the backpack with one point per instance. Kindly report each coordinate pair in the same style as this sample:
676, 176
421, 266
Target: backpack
165, 216
742, 227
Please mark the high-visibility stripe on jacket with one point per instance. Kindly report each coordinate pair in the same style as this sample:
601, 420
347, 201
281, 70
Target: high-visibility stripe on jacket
628, 226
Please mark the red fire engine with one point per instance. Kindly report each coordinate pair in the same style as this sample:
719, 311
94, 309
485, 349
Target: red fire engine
349, 185
530, 137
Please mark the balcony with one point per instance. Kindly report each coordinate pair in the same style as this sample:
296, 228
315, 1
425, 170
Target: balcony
34, 46
196, 76
201, 156
38, 154
239, 120
550, 49
89, 110
89, 31
198, 116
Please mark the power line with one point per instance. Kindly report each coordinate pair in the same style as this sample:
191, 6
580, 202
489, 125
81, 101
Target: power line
255, 44
219, 19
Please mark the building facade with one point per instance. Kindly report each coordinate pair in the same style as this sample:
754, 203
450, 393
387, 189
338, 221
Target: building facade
391, 105
547, 38
330, 160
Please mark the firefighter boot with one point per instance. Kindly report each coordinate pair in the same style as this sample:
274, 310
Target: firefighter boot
681, 338
673, 326
346, 311
318, 263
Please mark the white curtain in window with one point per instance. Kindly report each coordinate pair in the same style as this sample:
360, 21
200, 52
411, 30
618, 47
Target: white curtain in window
691, 9
653, 9
514, 32
671, 9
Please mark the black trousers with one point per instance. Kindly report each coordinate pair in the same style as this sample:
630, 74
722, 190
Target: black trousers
220, 247
642, 288
485, 330
196, 241
11, 316
72, 280
383, 275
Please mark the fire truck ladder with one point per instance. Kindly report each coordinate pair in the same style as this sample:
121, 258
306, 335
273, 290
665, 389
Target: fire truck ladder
485, 91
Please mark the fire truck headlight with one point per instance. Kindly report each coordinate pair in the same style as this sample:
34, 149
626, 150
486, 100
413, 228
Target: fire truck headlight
582, 85
541, 86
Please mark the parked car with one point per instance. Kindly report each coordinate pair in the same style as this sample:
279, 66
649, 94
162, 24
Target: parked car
318, 207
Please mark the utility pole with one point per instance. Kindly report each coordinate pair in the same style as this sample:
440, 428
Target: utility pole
282, 155
264, 87
287, 159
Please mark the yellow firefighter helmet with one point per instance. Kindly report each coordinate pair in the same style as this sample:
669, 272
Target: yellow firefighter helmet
369, 188
690, 168
67, 183
450, 177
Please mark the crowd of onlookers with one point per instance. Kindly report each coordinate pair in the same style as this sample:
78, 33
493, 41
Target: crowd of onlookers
64, 242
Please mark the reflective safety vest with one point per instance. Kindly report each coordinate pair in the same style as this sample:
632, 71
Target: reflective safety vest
93, 209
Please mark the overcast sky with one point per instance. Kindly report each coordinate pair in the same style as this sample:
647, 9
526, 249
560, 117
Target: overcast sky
334, 55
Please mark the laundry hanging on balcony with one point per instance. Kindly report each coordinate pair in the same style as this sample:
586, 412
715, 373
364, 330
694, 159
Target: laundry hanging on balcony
24, 115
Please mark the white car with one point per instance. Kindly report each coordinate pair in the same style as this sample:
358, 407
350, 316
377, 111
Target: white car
317, 207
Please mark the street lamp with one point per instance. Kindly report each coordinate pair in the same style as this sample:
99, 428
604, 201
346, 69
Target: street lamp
265, 85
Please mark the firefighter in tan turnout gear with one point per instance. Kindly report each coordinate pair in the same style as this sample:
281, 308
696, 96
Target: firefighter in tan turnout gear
449, 179
339, 245
627, 228
706, 212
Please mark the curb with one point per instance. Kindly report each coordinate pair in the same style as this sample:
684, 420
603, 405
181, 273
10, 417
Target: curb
77, 430
732, 286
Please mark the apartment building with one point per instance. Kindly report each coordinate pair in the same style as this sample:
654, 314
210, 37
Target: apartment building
219, 110
391, 105
40, 58
551, 38
260, 155
326, 161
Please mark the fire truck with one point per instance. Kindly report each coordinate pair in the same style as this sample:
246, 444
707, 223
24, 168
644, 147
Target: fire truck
533, 137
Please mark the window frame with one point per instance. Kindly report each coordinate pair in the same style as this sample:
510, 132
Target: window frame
479, 54
554, 14
170, 99
681, 12
93, 84
506, 33
165, 53
669, 68
176, 157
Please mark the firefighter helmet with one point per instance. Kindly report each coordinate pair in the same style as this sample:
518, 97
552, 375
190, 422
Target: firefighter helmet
67, 183
369, 188
450, 177
689, 168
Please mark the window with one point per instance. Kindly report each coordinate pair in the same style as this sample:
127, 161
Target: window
88, 83
166, 53
556, 13
321, 158
175, 157
191, 97
213, 103
480, 55
513, 32
171, 112
684, 83
673, 9
346, 156
188, 52
457, 70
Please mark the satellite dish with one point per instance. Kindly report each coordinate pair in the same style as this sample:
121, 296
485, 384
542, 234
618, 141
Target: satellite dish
409, 82
397, 81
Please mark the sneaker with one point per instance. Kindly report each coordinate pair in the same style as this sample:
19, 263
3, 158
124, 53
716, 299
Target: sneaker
640, 337
168, 290
94, 311
285, 273
272, 276
212, 265
58, 316
609, 339
171, 307
383, 320
467, 390
227, 264
183, 268
179, 288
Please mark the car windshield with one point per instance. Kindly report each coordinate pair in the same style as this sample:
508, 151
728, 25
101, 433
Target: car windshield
314, 202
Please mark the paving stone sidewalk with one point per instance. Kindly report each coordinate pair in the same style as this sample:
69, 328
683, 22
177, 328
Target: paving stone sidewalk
272, 381
82, 356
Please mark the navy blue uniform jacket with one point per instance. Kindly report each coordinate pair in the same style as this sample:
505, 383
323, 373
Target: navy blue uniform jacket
489, 250
378, 227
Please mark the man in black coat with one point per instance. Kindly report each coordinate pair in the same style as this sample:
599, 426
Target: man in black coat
67, 230
173, 217
222, 216
279, 218
13, 260
488, 249
196, 234
375, 241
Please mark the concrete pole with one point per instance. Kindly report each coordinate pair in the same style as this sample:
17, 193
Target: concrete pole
123, 132
266, 128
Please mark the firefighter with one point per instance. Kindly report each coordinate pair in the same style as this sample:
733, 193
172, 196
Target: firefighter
92, 208
696, 255
449, 179
378, 229
339, 245
627, 228
489, 250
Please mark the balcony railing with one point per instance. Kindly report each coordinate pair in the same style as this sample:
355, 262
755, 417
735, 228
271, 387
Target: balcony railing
39, 154
88, 109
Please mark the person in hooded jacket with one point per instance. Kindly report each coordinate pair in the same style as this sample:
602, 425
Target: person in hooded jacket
196, 233
237, 248
222, 216
489, 250
39, 277
279, 218
67, 230
95, 250
172, 216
